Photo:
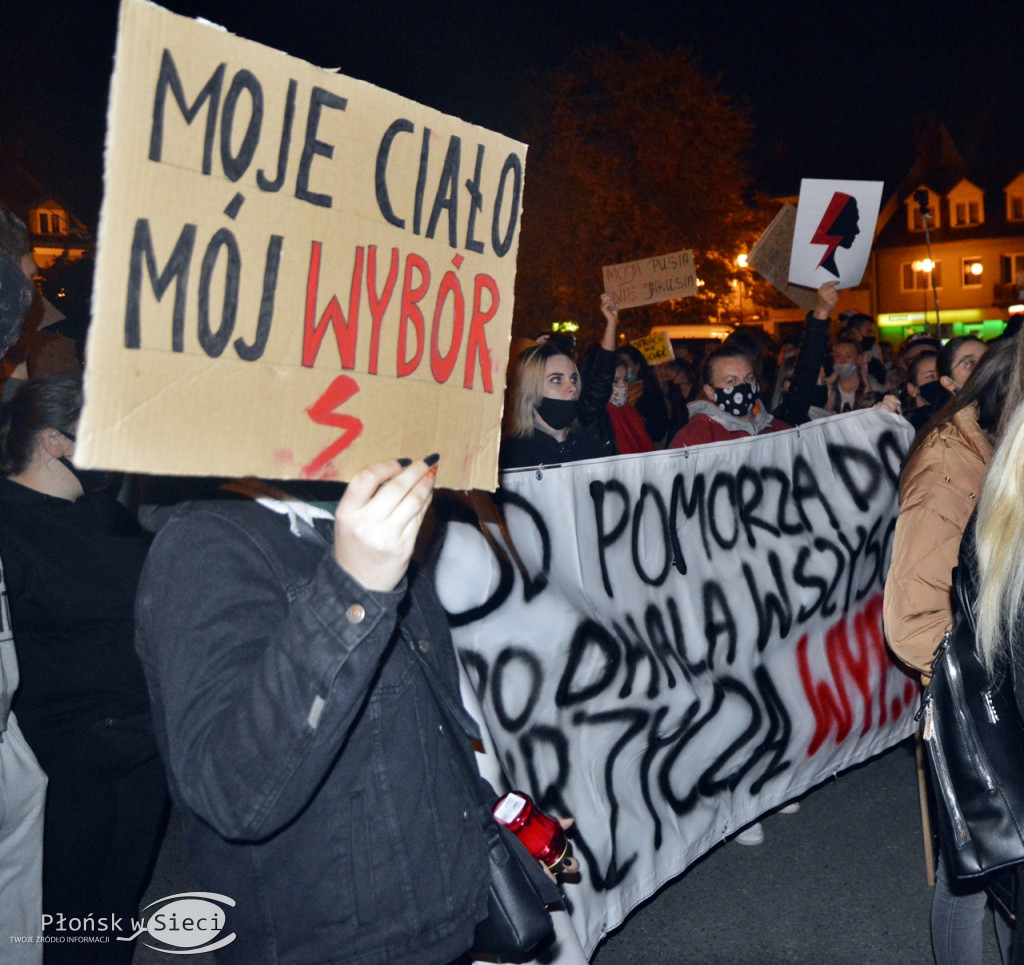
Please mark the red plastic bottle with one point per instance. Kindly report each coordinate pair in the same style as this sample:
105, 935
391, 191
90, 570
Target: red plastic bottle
540, 834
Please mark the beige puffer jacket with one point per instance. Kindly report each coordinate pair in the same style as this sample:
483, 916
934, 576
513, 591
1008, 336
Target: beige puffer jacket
938, 492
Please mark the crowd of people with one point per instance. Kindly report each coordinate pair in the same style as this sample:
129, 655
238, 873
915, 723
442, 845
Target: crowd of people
274, 661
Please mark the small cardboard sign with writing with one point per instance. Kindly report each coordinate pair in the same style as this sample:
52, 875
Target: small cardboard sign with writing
835, 225
657, 279
770, 258
655, 348
298, 273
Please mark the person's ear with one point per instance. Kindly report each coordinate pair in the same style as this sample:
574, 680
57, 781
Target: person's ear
709, 392
912, 390
53, 442
948, 384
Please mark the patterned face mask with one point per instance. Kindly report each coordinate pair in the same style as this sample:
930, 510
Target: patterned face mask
620, 396
737, 400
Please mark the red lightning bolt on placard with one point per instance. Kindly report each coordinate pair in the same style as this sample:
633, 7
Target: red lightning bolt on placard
323, 413
823, 235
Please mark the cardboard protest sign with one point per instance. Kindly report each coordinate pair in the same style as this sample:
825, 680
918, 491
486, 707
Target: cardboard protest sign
835, 225
656, 279
298, 273
655, 348
770, 258
682, 640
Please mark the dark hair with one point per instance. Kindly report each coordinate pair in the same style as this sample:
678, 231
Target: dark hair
915, 363
948, 352
13, 236
46, 402
726, 351
989, 385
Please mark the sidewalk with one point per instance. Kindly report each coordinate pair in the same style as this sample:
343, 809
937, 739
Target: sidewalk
840, 883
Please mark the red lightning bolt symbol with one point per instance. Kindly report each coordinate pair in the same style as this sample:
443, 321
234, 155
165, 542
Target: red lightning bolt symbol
821, 235
323, 413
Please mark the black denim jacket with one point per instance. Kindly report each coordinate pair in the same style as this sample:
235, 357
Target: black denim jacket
319, 777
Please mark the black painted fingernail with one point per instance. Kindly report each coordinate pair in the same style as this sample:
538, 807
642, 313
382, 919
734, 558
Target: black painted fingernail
403, 462
432, 458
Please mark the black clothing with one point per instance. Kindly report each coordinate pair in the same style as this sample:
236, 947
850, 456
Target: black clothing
72, 569
319, 779
804, 390
590, 437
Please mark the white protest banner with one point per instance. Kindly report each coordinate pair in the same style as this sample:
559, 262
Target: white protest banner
298, 273
833, 215
694, 638
655, 348
770, 258
656, 279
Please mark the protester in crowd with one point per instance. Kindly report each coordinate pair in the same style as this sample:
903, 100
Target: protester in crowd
763, 351
958, 359
939, 490
626, 421
993, 557
861, 328
678, 378
72, 560
730, 408
923, 393
22, 782
917, 343
783, 382
645, 392
805, 390
849, 380
303, 702
553, 418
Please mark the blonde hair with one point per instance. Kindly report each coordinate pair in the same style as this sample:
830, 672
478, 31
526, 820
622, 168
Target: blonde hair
999, 535
528, 389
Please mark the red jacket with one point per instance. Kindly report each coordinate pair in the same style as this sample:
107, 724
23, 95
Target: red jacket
708, 423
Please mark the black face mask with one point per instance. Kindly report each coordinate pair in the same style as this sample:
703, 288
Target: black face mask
933, 393
867, 343
558, 413
738, 400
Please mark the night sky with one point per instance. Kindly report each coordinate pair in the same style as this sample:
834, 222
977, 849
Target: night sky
835, 89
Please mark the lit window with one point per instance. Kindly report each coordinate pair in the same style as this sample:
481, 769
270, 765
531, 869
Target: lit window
972, 270
918, 275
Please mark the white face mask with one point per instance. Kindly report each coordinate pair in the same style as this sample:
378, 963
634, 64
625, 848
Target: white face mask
846, 370
619, 396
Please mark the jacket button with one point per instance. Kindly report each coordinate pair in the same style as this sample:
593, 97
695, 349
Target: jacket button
424, 646
465, 815
355, 614
970, 496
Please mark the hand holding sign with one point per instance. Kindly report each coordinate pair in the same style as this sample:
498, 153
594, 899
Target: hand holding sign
826, 299
377, 520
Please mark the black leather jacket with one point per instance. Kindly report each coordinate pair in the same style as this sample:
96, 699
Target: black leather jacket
320, 779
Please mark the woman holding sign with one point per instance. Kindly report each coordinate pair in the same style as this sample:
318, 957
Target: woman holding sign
552, 417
